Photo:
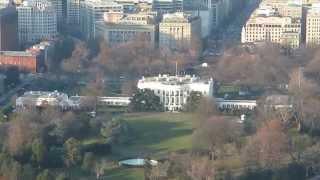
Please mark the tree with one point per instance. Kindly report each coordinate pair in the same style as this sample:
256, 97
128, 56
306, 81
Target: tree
62, 176
45, 175
96, 86
313, 67
214, 133
266, 66
269, 147
145, 101
69, 125
201, 169
28, 172
204, 110
88, 161
306, 101
311, 159
72, 152
193, 101
77, 62
297, 146
19, 135
12, 77
39, 150
113, 130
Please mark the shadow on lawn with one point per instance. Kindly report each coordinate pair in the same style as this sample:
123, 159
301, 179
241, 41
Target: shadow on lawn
148, 136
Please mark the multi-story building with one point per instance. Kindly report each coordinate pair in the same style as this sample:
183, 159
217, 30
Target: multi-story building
8, 29
313, 27
175, 90
73, 12
23, 60
221, 10
37, 20
31, 60
168, 6
92, 11
120, 28
266, 25
58, 6
179, 30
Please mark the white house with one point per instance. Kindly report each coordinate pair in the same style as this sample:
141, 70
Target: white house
174, 90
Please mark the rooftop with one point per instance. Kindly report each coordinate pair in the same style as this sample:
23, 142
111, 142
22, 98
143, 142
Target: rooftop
173, 80
43, 94
178, 17
16, 53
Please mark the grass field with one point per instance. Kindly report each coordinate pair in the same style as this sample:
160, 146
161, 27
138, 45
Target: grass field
156, 134
125, 174
153, 135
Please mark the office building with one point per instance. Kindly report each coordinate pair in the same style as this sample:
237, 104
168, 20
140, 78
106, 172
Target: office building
265, 25
92, 11
179, 30
119, 28
8, 29
73, 12
313, 27
58, 6
37, 20
175, 90
167, 6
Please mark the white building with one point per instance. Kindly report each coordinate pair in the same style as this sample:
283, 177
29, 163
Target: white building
43, 98
114, 101
224, 104
313, 27
285, 31
92, 11
37, 20
174, 90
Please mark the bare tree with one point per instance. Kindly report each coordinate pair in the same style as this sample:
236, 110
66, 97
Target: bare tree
265, 66
269, 147
201, 169
205, 109
78, 61
305, 97
214, 133
21, 132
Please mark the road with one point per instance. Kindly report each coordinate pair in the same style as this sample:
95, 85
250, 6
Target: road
233, 31
231, 34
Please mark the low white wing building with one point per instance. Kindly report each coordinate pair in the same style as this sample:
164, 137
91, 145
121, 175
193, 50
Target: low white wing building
174, 90
43, 98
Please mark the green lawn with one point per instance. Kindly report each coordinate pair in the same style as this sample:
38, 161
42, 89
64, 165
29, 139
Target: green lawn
153, 135
125, 174
156, 134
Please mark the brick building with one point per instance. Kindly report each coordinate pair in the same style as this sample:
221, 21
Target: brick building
24, 60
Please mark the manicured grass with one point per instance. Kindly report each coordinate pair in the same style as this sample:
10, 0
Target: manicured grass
125, 174
156, 134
